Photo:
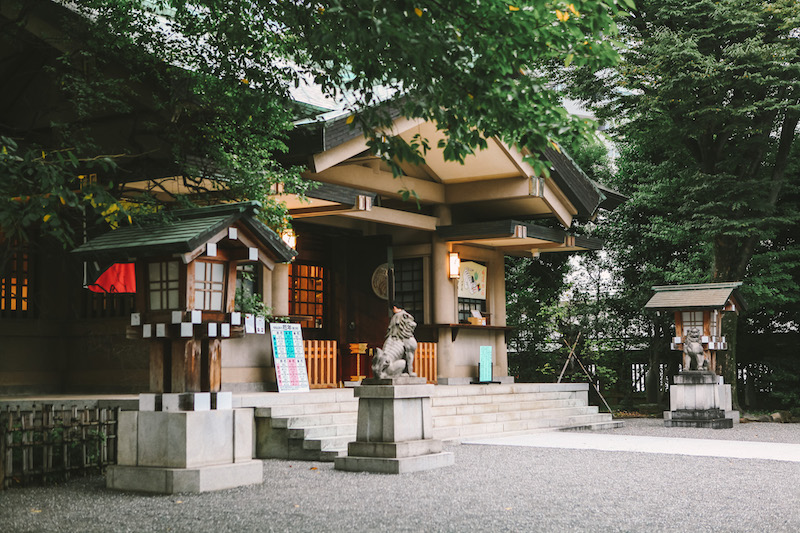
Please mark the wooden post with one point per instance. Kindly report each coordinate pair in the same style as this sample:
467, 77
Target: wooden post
211, 365
186, 354
158, 360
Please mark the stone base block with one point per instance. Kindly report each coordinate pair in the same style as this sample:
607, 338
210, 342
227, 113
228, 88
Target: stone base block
389, 465
394, 450
173, 480
716, 423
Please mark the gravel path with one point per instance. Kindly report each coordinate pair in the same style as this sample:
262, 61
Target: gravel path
490, 488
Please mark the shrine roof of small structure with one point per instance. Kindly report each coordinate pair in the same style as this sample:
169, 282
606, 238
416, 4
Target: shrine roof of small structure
697, 296
191, 229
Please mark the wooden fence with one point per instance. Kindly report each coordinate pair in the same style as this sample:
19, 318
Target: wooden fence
425, 361
321, 357
48, 445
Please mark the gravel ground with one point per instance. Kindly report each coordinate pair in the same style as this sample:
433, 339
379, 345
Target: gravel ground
490, 488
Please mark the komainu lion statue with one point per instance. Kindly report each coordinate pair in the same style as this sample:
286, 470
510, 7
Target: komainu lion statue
397, 356
694, 357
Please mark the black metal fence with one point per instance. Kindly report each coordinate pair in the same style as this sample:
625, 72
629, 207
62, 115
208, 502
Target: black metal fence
49, 444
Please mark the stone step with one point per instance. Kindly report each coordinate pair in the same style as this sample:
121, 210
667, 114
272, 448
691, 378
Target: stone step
306, 421
460, 409
503, 398
510, 416
329, 443
516, 427
272, 399
515, 388
332, 430
597, 426
349, 406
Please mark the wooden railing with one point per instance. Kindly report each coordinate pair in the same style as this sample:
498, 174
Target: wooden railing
321, 357
425, 361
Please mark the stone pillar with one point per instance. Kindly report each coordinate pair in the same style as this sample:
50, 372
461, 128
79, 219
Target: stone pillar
700, 399
395, 429
444, 292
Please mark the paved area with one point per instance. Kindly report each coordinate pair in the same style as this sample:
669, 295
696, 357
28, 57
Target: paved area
490, 488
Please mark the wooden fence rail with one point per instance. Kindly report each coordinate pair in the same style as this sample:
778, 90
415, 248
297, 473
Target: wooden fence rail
321, 357
425, 361
47, 444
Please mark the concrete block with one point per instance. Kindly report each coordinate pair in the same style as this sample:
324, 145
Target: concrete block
186, 401
382, 465
243, 437
149, 401
222, 400
185, 439
394, 449
394, 391
127, 437
192, 480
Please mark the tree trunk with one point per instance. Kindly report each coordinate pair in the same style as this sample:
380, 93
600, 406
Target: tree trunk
727, 358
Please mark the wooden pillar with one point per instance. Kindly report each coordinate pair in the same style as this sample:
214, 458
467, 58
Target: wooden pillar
444, 297
211, 356
186, 367
160, 366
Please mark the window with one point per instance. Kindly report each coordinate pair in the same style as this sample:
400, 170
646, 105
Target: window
692, 319
467, 305
409, 287
209, 286
164, 285
15, 286
306, 293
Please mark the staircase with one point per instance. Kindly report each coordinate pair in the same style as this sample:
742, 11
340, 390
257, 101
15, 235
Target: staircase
316, 426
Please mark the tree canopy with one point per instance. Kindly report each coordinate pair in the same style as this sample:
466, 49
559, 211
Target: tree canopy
202, 89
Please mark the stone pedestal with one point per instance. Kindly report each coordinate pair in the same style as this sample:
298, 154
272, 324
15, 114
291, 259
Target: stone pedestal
185, 445
700, 399
395, 429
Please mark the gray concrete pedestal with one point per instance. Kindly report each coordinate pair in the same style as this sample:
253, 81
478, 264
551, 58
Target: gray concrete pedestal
395, 429
700, 398
186, 447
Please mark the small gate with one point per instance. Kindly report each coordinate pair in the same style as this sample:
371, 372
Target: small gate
321, 363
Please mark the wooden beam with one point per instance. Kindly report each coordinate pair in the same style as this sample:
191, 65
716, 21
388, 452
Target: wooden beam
497, 189
394, 217
380, 182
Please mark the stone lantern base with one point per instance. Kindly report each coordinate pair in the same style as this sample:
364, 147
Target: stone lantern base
394, 431
700, 399
191, 442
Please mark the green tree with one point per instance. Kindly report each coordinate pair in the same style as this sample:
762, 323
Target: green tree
707, 100
202, 88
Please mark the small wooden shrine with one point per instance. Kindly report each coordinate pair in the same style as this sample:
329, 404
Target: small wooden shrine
186, 274
699, 397
698, 313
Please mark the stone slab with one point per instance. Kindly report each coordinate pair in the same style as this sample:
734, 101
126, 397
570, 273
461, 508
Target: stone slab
394, 449
175, 480
184, 439
696, 377
186, 401
149, 401
386, 465
400, 380
222, 400
395, 391
719, 423
394, 419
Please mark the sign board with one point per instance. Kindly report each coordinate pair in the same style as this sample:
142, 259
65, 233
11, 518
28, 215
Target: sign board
472, 280
485, 364
289, 357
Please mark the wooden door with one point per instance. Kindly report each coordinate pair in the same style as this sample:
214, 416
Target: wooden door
367, 313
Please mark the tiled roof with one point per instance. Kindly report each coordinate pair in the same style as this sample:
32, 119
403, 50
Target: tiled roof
191, 229
699, 296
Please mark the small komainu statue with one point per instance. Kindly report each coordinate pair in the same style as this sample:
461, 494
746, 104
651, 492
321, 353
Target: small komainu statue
397, 356
694, 357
